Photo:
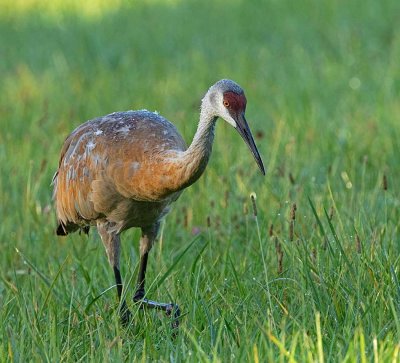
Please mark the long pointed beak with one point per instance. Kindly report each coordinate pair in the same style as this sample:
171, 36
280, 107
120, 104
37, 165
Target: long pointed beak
245, 133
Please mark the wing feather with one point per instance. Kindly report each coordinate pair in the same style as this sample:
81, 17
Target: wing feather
110, 159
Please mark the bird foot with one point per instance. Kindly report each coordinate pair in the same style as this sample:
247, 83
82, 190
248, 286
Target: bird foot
174, 308
125, 315
171, 310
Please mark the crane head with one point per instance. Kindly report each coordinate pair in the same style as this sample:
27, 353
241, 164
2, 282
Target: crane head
229, 102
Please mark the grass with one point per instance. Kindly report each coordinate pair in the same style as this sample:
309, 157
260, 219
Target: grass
323, 88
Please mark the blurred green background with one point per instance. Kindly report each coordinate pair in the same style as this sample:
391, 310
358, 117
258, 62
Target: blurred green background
322, 82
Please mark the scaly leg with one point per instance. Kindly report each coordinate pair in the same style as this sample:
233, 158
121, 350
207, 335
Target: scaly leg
146, 242
111, 241
124, 312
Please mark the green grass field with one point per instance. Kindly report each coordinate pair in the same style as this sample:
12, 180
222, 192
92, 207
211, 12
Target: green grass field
322, 79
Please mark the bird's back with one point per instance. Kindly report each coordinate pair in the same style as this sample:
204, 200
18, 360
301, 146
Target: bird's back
111, 166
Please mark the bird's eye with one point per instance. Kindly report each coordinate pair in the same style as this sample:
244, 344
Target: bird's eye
226, 103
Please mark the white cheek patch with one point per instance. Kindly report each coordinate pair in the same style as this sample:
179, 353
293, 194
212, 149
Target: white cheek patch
223, 113
230, 120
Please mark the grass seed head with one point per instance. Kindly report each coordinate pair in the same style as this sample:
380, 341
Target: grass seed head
253, 202
291, 179
384, 182
358, 243
293, 212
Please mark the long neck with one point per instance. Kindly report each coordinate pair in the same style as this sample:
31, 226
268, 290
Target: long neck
194, 160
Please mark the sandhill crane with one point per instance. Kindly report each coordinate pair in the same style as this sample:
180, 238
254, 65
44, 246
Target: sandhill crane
124, 170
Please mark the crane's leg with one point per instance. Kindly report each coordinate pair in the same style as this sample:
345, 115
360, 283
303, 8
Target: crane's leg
146, 242
112, 242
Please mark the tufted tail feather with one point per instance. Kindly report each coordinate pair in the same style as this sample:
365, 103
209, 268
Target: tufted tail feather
61, 231
65, 229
